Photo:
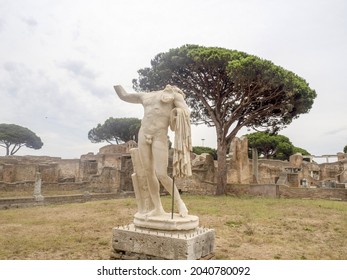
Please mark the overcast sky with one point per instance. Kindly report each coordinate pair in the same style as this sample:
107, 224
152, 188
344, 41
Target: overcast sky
59, 60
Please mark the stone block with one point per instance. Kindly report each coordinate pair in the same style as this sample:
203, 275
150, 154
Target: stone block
130, 242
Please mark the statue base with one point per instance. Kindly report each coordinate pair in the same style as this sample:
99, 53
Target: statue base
165, 222
134, 243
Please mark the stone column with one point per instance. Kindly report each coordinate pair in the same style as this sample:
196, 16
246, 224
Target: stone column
239, 162
255, 165
37, 188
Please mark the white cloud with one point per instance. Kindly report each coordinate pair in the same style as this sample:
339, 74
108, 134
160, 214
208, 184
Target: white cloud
31, 22
78, 68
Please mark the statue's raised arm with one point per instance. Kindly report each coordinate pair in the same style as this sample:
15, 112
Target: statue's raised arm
127, 97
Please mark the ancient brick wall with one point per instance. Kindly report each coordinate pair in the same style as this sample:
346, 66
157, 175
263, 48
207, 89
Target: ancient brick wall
269, 171
8, 173
49, 172
264, 190
193, 185
313, 193
125, 182
106, 182
68, 169
26, 188
330, 170
25, 172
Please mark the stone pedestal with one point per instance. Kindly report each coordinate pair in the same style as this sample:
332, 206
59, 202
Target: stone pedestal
131, 242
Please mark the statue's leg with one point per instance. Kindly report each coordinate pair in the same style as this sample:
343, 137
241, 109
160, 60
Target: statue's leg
160, 156
146, 156
140, 184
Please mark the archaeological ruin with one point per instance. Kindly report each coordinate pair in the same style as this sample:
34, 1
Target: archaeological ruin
107, 174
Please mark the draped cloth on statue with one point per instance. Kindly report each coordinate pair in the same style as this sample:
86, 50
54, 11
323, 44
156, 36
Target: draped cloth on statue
180, 124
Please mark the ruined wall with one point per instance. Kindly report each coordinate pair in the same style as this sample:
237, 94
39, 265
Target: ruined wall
25, 188
49, 172
204, 168
108, 171
25, 172
263, 190
342, 177
112, 160
125, 182
273, 190
60, 199
313, 193
118, 149
88, 168
106, 182
68, 169
330, 170
270, 170
193, 185
8, 172
18, 169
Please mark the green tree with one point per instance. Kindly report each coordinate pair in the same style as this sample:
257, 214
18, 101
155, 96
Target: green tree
115, 129
301, 151
200, 150
345, 149
273, 146
229, 90
13, 137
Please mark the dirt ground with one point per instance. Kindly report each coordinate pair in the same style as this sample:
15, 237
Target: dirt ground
246, 228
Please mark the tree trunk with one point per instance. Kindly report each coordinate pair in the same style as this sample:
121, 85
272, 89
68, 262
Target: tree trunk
222, 166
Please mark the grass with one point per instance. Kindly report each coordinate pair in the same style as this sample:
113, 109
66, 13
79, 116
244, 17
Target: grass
246, 228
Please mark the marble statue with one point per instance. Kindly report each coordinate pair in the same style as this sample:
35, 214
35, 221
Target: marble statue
162, 109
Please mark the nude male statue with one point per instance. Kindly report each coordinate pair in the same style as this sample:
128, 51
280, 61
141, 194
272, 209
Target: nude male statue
153, 141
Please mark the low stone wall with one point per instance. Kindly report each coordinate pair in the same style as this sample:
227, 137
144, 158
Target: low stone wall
311, 193
191, 186
265, 190
6, 203
205, 188
272, 190
28, 187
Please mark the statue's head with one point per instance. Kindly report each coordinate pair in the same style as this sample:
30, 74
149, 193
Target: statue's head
173, 89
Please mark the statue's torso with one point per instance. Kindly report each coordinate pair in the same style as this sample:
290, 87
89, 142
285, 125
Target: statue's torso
157, 110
